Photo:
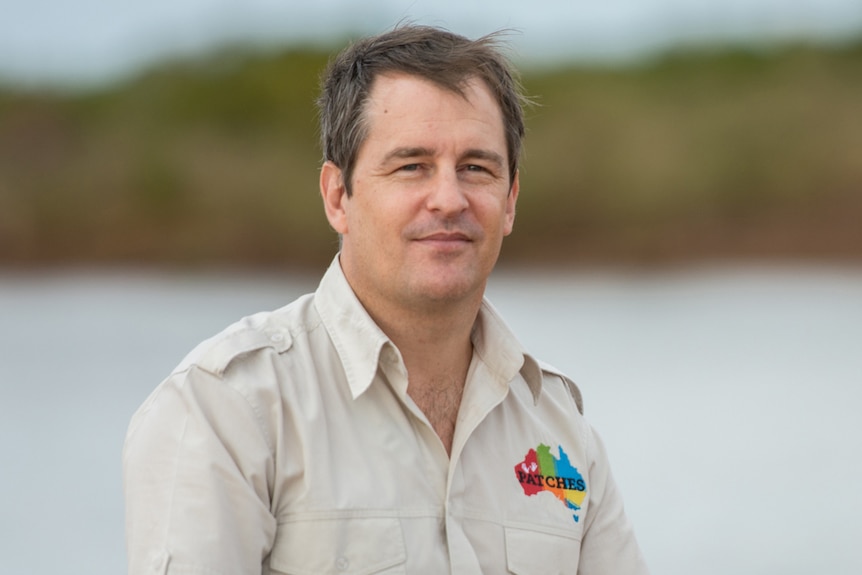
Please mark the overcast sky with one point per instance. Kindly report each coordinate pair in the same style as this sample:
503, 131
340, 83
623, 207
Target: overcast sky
72, 41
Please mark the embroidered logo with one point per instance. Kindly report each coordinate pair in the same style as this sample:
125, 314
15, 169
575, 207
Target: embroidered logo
541, 471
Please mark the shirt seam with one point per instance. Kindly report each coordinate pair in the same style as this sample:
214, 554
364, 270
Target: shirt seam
239, 389
476, 515
300, 327
193, 569
321, 515
176, 471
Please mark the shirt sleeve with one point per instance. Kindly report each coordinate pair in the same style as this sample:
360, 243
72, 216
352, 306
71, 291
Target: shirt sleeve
608, 546
197, 465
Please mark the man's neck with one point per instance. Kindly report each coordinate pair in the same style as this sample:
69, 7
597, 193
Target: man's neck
433, 345
437, 350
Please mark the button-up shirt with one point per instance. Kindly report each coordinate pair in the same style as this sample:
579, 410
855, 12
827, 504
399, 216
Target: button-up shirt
289, 444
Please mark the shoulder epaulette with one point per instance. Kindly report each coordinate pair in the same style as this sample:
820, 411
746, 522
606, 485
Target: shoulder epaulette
571, 385
250, 334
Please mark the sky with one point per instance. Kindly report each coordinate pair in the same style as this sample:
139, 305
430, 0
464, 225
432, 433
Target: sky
66, 42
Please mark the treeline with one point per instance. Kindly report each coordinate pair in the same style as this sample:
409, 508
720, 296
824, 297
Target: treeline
724, 154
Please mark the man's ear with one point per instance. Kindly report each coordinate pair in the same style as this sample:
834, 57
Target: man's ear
334, 194
511, 201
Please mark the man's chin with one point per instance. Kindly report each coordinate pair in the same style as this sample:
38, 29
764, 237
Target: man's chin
447, 288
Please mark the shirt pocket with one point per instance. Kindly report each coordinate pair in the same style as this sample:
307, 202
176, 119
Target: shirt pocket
534, 552
343, 546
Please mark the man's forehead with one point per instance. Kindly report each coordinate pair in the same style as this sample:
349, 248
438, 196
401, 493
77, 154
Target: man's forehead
406, 96
462, 87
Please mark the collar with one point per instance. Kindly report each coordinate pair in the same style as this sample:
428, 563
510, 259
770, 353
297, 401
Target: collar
356, 338
496, 345
359, 342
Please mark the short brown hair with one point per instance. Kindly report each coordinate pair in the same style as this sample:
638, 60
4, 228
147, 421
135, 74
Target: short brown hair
444, 58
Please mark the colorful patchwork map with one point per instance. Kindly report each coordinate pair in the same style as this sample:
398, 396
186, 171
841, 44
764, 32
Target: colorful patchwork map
541, 471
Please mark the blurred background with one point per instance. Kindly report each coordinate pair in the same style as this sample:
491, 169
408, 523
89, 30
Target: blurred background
688, 245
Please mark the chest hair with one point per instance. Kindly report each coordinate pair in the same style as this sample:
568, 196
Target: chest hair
439, 401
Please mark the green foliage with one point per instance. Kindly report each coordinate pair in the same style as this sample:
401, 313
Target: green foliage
215, 161
728, 140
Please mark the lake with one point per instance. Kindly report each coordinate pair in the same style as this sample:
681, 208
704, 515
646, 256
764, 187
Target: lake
728, 397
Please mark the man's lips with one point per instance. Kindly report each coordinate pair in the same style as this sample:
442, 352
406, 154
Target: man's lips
445, 237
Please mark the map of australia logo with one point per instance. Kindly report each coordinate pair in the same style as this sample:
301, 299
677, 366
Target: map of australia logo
541, 471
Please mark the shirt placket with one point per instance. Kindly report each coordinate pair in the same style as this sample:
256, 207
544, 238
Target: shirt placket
482, 394
436, 460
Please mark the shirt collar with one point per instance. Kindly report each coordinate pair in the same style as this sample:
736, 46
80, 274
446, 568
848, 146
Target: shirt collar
359, 341
496, 345
356, 338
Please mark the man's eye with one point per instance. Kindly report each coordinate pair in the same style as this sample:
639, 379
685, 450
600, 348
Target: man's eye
409, 167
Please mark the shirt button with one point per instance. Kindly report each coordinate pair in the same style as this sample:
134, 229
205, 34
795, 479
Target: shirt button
276, 337
342, 563
158, 561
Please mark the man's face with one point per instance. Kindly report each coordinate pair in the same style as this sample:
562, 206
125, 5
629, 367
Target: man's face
431, 198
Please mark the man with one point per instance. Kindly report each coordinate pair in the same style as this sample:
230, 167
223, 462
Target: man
389, 422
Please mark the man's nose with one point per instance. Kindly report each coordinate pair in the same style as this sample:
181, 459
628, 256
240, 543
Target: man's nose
447, 193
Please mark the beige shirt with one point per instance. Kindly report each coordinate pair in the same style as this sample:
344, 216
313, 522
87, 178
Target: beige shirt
288, 444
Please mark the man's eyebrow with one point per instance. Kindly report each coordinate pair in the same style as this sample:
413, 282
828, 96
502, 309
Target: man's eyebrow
407, 153
486, 155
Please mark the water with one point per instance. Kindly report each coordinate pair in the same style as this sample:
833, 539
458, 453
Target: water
727, 398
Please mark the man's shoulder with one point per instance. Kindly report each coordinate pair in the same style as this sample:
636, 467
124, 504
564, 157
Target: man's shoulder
274, 330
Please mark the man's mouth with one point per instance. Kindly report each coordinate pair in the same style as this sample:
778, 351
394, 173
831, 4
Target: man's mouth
446, 237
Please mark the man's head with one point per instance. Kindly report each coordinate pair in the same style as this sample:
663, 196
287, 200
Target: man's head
441, 57
421, 131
